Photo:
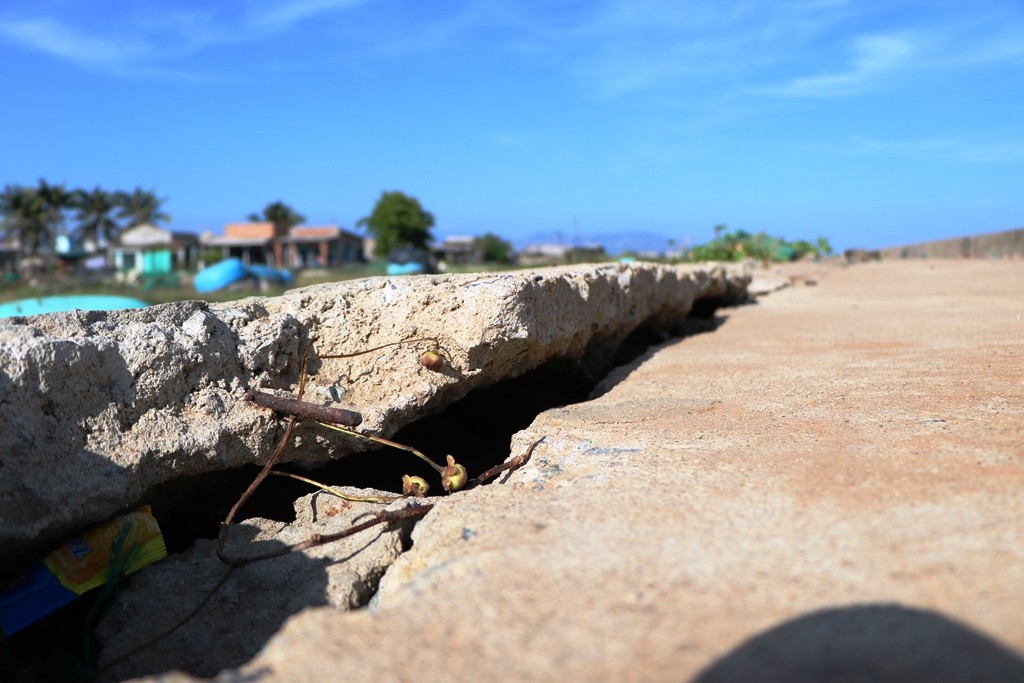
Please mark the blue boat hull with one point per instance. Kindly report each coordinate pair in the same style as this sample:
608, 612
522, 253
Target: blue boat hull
220, 275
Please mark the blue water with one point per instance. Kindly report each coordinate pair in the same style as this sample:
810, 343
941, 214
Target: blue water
56, 304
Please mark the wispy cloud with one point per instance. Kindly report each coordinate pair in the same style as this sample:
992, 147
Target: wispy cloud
784, 49
873, 58
67, 42
153, 36
607, 48
281, 16
924, 46
641, 46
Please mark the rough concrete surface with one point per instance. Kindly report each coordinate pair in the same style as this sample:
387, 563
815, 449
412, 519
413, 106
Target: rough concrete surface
827, 487
254, 600
100, 407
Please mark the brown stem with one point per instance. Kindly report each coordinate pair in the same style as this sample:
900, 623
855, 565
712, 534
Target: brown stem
163, 634
304, 409
510, 464
381, 517
382, 346
386, 442
222, 537
335, 492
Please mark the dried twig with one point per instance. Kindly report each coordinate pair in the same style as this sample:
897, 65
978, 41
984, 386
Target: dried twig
296, 409
383, 346
385, 442
304, 409
509, 465
382, 517
335, 492
166, 632
222, 536
453, 476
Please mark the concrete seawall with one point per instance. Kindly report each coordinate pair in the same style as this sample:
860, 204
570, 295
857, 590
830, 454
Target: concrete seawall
988, 245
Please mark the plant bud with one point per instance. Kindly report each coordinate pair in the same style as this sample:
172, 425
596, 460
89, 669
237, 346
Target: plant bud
432, 360
454, 476
414, 486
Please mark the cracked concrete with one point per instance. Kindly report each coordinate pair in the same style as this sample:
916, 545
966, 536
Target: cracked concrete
829, 486
101, 407
255, 600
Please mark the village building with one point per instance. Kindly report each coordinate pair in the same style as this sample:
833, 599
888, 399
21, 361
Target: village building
559, 254
321, 247
459, 249
296, 247
148, 250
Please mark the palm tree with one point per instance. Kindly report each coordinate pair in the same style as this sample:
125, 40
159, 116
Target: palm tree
93, 212
280, 214
140, 207
10, 213
23, 217
56, 200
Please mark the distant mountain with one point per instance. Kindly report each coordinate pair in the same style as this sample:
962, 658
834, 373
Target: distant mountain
640, 242
613, 242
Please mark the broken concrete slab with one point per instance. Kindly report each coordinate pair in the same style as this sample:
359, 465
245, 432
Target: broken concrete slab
242, 608
101, 407
829, 486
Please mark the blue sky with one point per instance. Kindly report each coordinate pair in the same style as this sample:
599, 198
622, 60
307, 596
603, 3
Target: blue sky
871, 123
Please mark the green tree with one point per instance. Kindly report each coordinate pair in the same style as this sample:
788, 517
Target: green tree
280, 214
56, 200
94, 215
140, 207
740, 245
398, 220
23, 216
493, 249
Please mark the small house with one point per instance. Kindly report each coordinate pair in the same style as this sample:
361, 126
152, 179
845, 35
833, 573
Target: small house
300, 246
149, 250
461, 249
249, 242
325, 246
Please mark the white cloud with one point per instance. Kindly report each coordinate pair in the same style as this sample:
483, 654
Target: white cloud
157, 34
59, 40
630, 47
784, 49
874, 57
280, 16
932, 45
609, 49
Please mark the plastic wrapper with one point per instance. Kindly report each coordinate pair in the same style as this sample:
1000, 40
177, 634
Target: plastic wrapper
123, 545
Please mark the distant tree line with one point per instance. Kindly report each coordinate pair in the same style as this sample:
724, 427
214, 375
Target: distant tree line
35, 216
493, 249
740, 245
